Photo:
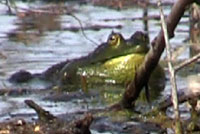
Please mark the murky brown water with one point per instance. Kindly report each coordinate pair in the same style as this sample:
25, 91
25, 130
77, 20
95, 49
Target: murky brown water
34, 42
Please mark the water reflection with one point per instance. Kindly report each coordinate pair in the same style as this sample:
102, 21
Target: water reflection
31, 26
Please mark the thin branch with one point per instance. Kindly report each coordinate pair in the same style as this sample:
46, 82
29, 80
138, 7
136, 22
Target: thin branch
8, 5
82, 30
178, 128
171, 69
128, 18
187, 62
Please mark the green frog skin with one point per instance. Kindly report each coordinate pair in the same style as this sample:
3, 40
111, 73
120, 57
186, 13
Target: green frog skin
105, 63
121, 70
113, 62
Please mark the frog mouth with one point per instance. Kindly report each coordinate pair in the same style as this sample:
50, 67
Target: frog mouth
98, 55
112, 57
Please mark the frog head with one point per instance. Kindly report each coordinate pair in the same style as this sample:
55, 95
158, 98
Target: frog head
137, 43
117, 46
140, 40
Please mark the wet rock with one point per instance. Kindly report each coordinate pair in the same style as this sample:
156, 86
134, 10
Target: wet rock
21, 76
143, 128
105, 124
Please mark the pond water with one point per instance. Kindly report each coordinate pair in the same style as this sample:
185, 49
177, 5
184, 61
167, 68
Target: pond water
34, 42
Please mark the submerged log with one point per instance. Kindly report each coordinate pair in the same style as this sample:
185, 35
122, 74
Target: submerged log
43, 115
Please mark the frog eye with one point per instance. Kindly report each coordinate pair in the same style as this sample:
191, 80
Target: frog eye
113, 37
113, 40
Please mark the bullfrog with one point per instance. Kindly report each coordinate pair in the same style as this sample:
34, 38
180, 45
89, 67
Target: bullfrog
113, 62
103, 65
121, 69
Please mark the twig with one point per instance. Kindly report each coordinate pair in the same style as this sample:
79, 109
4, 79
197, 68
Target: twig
144, 18
7, 3
38, 11
94, 27
171, 69
145, 15
82, 30
187, 62
178, 128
